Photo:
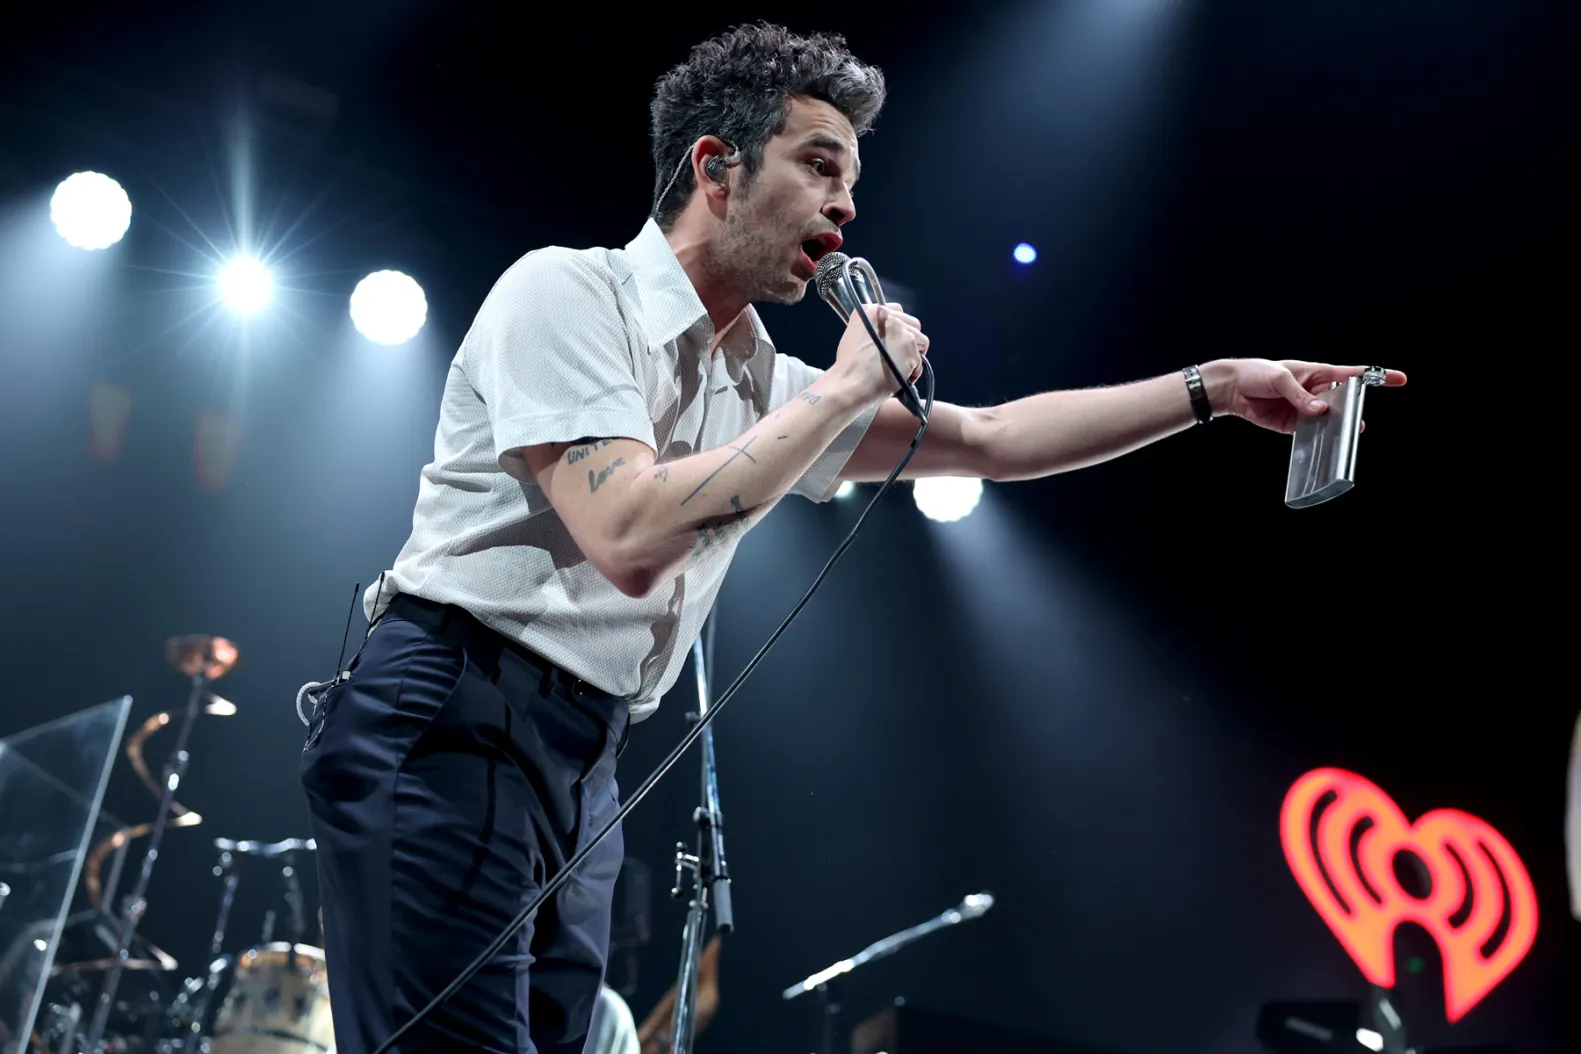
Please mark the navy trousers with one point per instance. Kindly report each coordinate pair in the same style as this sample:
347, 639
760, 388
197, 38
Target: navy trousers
448, 778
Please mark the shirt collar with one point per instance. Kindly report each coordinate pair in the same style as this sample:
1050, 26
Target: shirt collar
671, 306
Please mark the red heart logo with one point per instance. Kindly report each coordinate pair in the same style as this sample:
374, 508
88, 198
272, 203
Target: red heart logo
1341, 834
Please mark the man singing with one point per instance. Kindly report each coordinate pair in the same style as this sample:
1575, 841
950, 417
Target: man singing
612, 425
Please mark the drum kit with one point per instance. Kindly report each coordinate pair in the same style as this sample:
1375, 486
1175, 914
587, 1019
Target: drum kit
111, 991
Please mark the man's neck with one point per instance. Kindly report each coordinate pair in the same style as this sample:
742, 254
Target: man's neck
724, 305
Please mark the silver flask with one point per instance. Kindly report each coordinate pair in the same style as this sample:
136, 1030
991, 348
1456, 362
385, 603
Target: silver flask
1323, 450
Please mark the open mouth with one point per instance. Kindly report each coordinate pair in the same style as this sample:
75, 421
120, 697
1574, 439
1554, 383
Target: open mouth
815, 249
821, 246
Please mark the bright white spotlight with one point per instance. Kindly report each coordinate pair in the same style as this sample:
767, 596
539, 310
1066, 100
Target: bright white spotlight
245, 284
1025, 253
947, 498
220, 706
388, 307
1369, 1039
845, 490
90, 210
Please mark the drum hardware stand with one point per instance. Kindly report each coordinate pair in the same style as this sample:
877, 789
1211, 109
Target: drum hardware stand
709, 872
293, 898
285, 852
224, 868
295, 924
68, 1034
200, 992
203, 659
828, 1013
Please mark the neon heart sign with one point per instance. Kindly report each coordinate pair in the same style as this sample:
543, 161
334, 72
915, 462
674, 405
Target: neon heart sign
1341, 835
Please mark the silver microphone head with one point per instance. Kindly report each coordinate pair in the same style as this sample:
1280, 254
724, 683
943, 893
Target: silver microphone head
833, 291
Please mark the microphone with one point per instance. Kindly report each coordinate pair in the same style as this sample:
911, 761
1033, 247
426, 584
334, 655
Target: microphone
845, 297
972, 906
837, 293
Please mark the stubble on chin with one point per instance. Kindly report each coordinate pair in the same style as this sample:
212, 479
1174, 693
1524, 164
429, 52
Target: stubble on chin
747, 262
791, 293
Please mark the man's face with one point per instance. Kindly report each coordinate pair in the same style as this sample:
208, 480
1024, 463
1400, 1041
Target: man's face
779, 224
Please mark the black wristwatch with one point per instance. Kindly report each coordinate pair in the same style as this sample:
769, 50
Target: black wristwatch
1199, 394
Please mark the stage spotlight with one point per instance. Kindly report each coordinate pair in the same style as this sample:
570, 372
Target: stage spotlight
1024, 253
90, 210
218, 706
246, 285
947, 498
388, 307
845, 490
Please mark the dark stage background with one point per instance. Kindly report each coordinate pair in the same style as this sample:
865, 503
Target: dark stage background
1090, 695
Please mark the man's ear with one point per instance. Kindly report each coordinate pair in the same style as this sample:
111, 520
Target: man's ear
711, 157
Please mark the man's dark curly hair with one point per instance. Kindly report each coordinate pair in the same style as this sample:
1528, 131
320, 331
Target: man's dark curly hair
737, 86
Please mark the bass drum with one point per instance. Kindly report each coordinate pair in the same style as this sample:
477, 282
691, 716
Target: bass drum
277, 1003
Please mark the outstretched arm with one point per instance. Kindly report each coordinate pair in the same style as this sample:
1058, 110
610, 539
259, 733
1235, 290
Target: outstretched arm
1041, 435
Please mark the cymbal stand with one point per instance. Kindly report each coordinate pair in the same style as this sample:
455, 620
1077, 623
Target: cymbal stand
295, 925
284, 851
189, 1011
112, 884
137, 903
293, 897
225, 869
710, 874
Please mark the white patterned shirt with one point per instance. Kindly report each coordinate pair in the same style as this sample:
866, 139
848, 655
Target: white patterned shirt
569, 345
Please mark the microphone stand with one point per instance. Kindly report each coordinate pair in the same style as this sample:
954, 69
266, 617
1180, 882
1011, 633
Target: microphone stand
137, 905
1388, 1023
971, 907
710, 875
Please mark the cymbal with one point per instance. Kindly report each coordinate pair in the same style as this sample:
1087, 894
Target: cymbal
88, 942
95, 965
195, 654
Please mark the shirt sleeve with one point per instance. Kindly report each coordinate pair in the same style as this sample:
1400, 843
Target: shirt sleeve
550, 357
819, 482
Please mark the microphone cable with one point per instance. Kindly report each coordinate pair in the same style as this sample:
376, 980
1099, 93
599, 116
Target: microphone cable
553, 885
